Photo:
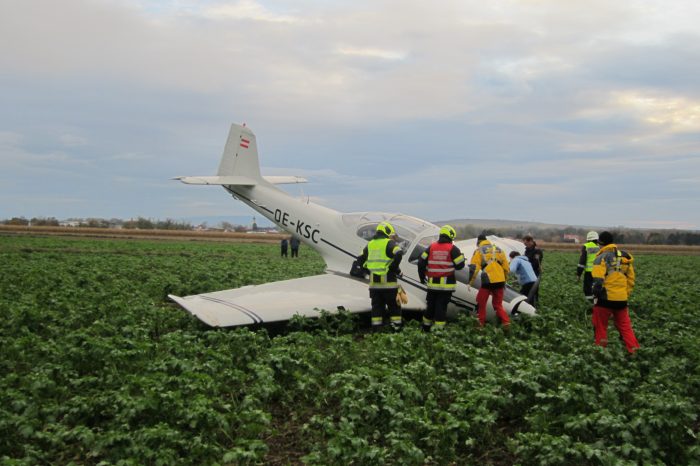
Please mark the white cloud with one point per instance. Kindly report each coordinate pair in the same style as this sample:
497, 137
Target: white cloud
371, 53
549, 95
247, 10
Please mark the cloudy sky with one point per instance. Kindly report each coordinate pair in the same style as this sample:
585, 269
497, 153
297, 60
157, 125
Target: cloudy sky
584, 113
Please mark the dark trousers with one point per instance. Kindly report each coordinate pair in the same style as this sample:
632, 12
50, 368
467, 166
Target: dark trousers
436, 309
525, 290
295, 252
283, 252
588, 285
384, 306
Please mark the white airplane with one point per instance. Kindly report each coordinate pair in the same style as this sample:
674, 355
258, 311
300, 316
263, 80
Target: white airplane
338, 238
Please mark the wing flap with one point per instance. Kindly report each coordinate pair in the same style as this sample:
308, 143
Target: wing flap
277, 301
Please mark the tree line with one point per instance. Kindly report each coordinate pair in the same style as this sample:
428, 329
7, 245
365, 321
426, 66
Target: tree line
140, 223
558, 235
555, 235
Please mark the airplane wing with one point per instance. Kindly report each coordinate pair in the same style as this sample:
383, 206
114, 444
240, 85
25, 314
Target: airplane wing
278, 301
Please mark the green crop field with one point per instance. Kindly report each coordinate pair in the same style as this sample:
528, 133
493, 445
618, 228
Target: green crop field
97, 367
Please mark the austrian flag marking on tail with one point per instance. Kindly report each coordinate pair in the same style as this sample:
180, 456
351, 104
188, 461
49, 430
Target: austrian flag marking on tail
245, 143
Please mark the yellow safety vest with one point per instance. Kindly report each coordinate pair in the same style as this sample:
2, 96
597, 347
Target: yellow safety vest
591, 251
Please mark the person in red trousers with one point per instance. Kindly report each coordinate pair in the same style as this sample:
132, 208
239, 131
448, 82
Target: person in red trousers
493, 264
613, 281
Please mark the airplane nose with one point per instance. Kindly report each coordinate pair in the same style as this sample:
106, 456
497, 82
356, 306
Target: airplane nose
523, 307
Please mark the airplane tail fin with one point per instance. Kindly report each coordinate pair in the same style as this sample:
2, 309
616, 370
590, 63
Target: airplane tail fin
239, 164
240, 157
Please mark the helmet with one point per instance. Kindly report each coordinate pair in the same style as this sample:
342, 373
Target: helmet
592, 236
386, 228
448, 231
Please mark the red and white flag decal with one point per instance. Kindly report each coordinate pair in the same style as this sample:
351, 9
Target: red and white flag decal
245, 143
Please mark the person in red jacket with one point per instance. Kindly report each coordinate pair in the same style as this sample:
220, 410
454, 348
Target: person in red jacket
436, 268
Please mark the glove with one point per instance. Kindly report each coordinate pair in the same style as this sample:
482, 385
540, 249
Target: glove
599, 291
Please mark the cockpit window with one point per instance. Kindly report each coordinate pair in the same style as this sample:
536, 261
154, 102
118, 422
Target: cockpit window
420, 247
407, 228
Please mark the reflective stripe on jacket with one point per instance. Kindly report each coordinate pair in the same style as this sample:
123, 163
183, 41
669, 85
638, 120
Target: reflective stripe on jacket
377, 260
442, 258
379, 263
440, 261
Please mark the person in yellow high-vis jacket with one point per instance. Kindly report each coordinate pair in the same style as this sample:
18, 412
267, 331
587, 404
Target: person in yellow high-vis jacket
493, 264
381, 258
613, 282
585, 263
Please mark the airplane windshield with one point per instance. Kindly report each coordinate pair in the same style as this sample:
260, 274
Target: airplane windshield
407, 228
421, 246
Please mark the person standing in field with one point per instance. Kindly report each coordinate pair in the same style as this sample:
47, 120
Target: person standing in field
522, 269
493, 264
535, 256
283, 247
585, 263
436, 269
613, 282
294, 245
381, 257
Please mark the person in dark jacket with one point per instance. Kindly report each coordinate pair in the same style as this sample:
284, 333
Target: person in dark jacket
436, 269
381, 258
535, 256
283, 247
294, 245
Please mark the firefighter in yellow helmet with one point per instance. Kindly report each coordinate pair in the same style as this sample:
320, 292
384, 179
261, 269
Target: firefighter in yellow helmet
436, 268
381, 258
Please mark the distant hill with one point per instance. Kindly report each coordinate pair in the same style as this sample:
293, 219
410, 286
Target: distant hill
213, 221
498, 223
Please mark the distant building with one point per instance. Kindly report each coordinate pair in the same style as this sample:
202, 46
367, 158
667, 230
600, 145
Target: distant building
69, 223
570, 238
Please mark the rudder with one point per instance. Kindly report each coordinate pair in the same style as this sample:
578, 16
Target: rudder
240, 157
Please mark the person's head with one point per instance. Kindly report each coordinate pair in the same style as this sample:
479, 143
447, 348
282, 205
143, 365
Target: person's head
448, 232
514, 254
592, 236
605, 238
480, 238
528, 240
386, 228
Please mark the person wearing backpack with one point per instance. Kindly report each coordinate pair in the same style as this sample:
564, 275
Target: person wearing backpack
492, 262
613, 282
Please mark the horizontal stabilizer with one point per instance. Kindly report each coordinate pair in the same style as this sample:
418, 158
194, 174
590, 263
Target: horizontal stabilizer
218, 180
284, 179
